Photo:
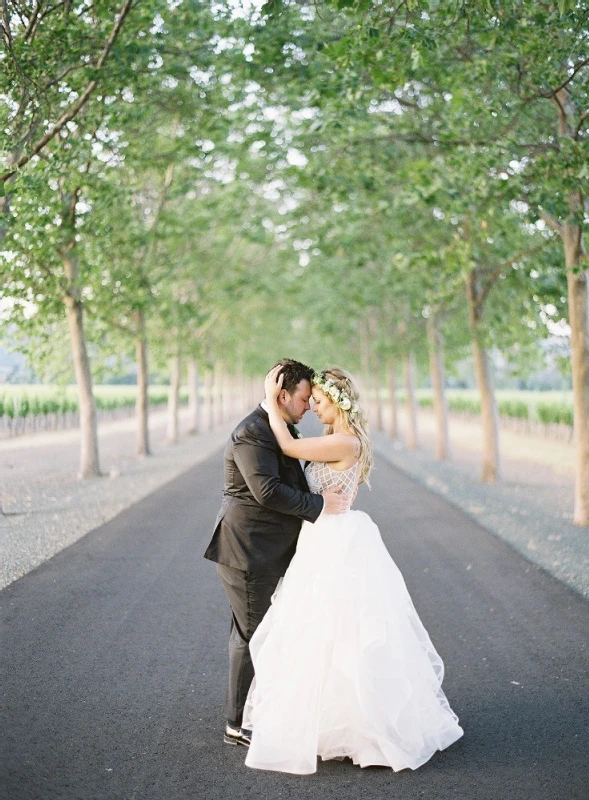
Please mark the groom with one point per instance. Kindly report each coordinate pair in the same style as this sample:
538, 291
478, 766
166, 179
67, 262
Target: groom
265, 499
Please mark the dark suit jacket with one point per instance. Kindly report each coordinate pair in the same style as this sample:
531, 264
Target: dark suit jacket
265, 499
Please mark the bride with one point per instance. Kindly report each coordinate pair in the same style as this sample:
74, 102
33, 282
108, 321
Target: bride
343, 664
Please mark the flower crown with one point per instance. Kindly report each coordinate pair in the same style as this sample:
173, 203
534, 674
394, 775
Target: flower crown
340, 397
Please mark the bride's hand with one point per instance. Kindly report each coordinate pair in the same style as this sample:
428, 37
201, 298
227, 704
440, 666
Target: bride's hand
273, 384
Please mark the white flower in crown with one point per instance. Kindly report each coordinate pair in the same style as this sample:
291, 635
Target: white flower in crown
339, 396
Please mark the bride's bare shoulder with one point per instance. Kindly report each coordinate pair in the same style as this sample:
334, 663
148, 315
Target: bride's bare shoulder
350, 438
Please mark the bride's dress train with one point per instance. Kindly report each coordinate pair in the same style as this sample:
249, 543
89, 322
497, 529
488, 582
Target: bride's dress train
343, 664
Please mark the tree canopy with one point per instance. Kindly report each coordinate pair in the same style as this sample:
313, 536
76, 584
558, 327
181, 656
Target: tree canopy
238, 182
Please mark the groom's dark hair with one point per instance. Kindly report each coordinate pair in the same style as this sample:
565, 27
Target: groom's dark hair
294, 372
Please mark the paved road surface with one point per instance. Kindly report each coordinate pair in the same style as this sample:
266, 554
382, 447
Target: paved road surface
115, 658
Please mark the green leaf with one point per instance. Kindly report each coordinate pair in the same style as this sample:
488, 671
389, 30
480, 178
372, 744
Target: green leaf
271, 7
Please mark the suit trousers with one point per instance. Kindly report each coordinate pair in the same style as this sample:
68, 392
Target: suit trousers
249, 595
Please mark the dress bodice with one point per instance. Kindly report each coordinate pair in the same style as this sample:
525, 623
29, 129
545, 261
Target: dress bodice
320, 476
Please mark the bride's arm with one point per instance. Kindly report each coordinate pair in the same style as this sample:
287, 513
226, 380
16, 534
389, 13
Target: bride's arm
336, 447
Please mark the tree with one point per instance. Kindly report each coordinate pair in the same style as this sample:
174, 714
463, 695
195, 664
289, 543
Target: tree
506, 82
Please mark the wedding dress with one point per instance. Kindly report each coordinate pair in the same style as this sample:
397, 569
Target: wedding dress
343, 664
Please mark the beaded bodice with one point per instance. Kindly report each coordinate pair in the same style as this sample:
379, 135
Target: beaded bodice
320, 476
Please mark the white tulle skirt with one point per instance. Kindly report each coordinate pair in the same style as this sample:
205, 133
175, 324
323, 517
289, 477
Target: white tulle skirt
343, 664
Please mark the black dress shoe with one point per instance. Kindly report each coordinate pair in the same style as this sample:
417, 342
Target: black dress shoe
237, 736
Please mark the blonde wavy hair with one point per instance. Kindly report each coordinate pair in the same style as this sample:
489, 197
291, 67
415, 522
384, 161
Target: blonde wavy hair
355, 423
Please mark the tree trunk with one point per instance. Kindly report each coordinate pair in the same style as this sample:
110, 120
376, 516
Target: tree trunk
375, 369
578, 299
142, 404
249, 399
227, 388
173, 431
193, 397
379, 426
254, 393
491, 470
367, 376
6, 198
208, 401
436, 368
238, 392
217, 408
411, 401
89, 461
571, 233
393, 417
231, 388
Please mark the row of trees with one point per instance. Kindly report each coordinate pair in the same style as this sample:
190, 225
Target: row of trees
352, 182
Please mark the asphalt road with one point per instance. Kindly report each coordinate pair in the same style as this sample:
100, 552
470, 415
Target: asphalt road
114, 662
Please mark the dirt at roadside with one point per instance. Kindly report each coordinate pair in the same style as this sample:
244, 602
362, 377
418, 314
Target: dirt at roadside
46, 508
531, 508
529, 461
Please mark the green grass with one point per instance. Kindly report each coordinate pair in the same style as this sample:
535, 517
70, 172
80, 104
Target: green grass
529, 397
34, 399
24, 400
555, 412
546, 407
42, 390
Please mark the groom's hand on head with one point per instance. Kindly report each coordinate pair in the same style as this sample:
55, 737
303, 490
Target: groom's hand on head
335, 503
